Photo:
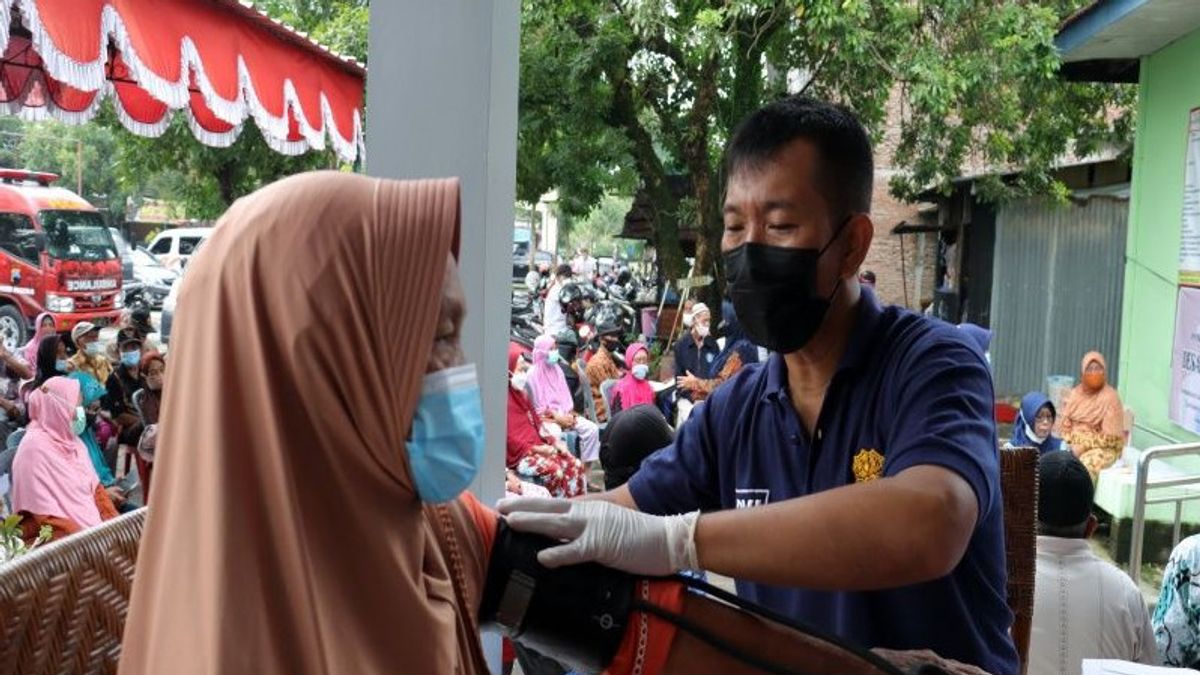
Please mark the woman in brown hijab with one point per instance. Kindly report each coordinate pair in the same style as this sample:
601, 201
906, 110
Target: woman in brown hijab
1093, 419
288, 533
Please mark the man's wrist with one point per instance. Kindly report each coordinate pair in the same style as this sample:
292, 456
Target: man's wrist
681, 541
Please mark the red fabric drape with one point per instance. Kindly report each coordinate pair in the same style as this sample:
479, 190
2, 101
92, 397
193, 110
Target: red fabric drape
221, 62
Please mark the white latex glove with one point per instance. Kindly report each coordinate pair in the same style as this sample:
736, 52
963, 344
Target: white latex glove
608, 534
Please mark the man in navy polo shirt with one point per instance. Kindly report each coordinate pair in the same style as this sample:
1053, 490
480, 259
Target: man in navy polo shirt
850, 482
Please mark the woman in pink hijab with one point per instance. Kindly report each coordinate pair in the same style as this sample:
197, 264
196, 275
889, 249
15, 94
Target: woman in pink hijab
634, 389
44, 329
54, 482
552, 398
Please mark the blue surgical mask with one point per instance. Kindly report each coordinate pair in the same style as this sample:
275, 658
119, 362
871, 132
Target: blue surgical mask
446, 446
641, 370
131, 359
62, 366
79, 424
553, 357
95, 349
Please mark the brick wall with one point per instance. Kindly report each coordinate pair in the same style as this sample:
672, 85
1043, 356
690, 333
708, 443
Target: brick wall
895, 274
892, 271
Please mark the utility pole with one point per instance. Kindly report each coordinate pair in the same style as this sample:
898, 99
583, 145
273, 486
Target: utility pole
79, 167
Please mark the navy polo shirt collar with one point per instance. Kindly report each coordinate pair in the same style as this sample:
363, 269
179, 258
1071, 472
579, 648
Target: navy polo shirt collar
868, 312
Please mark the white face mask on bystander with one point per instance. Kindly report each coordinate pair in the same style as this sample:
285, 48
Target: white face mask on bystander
519, 380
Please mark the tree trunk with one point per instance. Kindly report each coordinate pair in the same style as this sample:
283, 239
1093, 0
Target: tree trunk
664, 219
671, 261
706, 189
744, 96
226, 182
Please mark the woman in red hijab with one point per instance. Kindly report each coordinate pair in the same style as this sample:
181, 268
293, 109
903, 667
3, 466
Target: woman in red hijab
533, 454
634, 389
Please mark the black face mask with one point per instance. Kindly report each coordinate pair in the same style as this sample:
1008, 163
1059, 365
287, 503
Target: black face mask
774, 292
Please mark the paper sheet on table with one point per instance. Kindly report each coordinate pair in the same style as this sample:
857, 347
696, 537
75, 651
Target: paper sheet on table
1114, 667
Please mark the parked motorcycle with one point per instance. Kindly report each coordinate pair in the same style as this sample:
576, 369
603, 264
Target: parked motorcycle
525, 323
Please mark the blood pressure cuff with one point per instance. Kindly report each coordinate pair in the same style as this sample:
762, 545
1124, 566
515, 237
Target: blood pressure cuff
576, 615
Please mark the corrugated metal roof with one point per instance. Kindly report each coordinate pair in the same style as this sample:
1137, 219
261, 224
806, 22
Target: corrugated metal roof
1057, 289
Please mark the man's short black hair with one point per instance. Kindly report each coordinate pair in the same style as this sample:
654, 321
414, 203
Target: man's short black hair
1065, 494
846, 171
563, 270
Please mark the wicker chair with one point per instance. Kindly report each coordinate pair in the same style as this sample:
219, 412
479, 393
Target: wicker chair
606, 392
63, 606
1019, 488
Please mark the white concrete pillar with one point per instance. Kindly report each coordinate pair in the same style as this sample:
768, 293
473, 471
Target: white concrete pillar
442, 101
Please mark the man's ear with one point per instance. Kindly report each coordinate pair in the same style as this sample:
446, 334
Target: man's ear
860, 232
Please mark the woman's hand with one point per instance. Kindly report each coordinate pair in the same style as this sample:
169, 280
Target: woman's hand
566, 420
547, 450
116, 495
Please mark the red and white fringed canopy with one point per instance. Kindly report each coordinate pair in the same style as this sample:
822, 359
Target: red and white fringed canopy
219, 60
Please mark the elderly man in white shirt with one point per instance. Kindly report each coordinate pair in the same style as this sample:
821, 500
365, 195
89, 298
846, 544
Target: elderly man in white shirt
1084, 607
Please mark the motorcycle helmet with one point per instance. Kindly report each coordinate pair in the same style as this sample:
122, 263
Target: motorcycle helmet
572, 292
139, 320
576, 297
612, 318
568, 345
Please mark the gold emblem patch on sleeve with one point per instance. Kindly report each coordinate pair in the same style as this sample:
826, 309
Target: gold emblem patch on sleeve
867, 465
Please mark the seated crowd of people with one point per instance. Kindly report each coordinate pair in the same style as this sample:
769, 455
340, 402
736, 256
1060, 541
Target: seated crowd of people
80, 426
560, 399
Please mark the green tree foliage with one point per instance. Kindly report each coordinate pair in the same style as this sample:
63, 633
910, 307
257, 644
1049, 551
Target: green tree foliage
340, 24
598, 230
84, 152
12, 134
629, 92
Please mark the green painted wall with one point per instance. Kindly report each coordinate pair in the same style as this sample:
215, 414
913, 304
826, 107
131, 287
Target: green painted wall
1170, 88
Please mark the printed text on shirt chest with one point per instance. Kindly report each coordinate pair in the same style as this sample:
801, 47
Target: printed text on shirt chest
745, 498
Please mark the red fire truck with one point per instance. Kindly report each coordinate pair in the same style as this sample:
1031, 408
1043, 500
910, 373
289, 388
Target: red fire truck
56, 256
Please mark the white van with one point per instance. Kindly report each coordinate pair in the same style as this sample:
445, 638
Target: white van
175, 247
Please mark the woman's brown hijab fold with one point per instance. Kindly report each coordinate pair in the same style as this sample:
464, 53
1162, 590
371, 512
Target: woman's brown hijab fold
286, 535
